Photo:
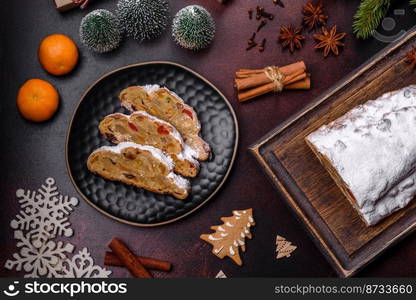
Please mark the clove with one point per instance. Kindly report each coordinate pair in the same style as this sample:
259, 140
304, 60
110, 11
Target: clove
259, 9
261, 25
251, 40
251, 46
268, 15
259, 12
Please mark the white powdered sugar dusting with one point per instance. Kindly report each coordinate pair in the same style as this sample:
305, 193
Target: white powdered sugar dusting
180, 181
188, 154
373, 149
150, 88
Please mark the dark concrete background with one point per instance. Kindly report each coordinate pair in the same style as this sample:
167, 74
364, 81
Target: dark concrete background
32, 152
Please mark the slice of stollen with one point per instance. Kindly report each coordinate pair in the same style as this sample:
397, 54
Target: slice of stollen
141, 166
142, 128
166, 105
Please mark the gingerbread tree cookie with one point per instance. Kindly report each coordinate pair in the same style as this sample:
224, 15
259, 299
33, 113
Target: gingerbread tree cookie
284, 247
230, 236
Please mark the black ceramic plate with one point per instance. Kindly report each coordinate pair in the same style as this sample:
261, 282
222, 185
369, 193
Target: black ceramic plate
133, 205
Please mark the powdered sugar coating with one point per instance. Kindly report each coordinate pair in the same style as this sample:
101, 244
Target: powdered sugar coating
180, 181
373, 149
189, 154
150, 88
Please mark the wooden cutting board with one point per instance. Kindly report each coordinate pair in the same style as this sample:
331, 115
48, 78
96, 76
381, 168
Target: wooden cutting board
335, 226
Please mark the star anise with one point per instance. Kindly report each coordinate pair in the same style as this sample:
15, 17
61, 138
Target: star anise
411, 58
329, 40
313, 15
291, 37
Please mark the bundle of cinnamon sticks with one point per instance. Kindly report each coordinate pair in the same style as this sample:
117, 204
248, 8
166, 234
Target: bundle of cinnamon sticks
253, 83
138, 266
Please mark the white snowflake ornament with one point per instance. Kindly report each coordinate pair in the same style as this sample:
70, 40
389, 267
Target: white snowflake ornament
82, 266
44, 213
44, 261
44, 217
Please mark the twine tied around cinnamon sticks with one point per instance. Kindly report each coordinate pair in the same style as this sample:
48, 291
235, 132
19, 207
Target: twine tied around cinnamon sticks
252, 83
274, 74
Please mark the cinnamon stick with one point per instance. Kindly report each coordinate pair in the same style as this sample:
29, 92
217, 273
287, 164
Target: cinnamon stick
303, 84
248, 72
285, 69
261, 90
251, 83
128, 259
294, 78
260, 78
110, 259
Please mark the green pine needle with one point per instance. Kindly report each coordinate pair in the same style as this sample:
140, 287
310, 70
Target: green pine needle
412, 2
369, 15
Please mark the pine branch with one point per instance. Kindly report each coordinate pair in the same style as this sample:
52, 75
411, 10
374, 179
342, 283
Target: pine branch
412, 2
369, 15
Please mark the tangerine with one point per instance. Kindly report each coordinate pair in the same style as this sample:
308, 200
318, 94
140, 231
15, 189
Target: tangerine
37, 100
58, 54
